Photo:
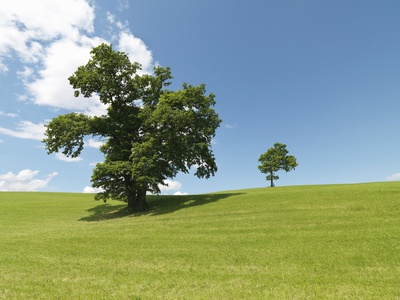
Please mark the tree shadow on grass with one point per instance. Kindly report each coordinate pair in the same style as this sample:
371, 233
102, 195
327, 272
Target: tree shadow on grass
158, 205
105, 212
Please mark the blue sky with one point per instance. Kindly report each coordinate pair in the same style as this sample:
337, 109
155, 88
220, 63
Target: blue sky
322, 77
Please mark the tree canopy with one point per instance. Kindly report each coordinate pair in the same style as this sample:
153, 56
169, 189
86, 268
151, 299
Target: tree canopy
276, 159
151, 133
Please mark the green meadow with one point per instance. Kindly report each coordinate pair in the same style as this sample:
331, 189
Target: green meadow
297, 242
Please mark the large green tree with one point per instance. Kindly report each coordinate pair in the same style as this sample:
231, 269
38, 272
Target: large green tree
151, 133
276, 159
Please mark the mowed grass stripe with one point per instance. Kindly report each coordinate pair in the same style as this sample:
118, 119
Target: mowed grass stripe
298, 242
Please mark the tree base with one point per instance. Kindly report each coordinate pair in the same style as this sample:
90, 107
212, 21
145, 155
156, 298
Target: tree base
136, 209
137, 203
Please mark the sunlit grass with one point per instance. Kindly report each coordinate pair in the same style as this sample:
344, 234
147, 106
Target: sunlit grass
305, 242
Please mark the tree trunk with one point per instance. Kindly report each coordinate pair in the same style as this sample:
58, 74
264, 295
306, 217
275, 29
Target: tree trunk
141, 204
272, 179
137, 200
131, 202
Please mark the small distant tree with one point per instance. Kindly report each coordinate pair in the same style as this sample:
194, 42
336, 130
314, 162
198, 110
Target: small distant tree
276, 159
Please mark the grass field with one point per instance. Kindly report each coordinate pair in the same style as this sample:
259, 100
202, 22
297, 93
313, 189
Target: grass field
298, 242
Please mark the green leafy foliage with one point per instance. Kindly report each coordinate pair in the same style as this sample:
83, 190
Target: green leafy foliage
276, 159
67, 132
151, 133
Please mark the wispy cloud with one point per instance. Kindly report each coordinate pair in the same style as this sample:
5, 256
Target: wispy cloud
24, 181
62, 157
120, 25
122, 5
26, 130
2, 113
229, 126
393, 177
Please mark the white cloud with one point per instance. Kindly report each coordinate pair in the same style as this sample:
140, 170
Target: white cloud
52, 88
62, 157
393, 177
24, 181
26, 130
92, 190
94, 144
2, 113
24, 24
51, 39
171, 186
136, 50
179, 193
32, 18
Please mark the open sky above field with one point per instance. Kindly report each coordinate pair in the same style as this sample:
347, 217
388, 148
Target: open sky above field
322, 77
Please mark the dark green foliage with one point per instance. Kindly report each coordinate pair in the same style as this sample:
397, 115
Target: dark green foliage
151, 133
276, 159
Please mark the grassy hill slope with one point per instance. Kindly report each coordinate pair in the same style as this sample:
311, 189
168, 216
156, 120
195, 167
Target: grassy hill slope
299, 242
